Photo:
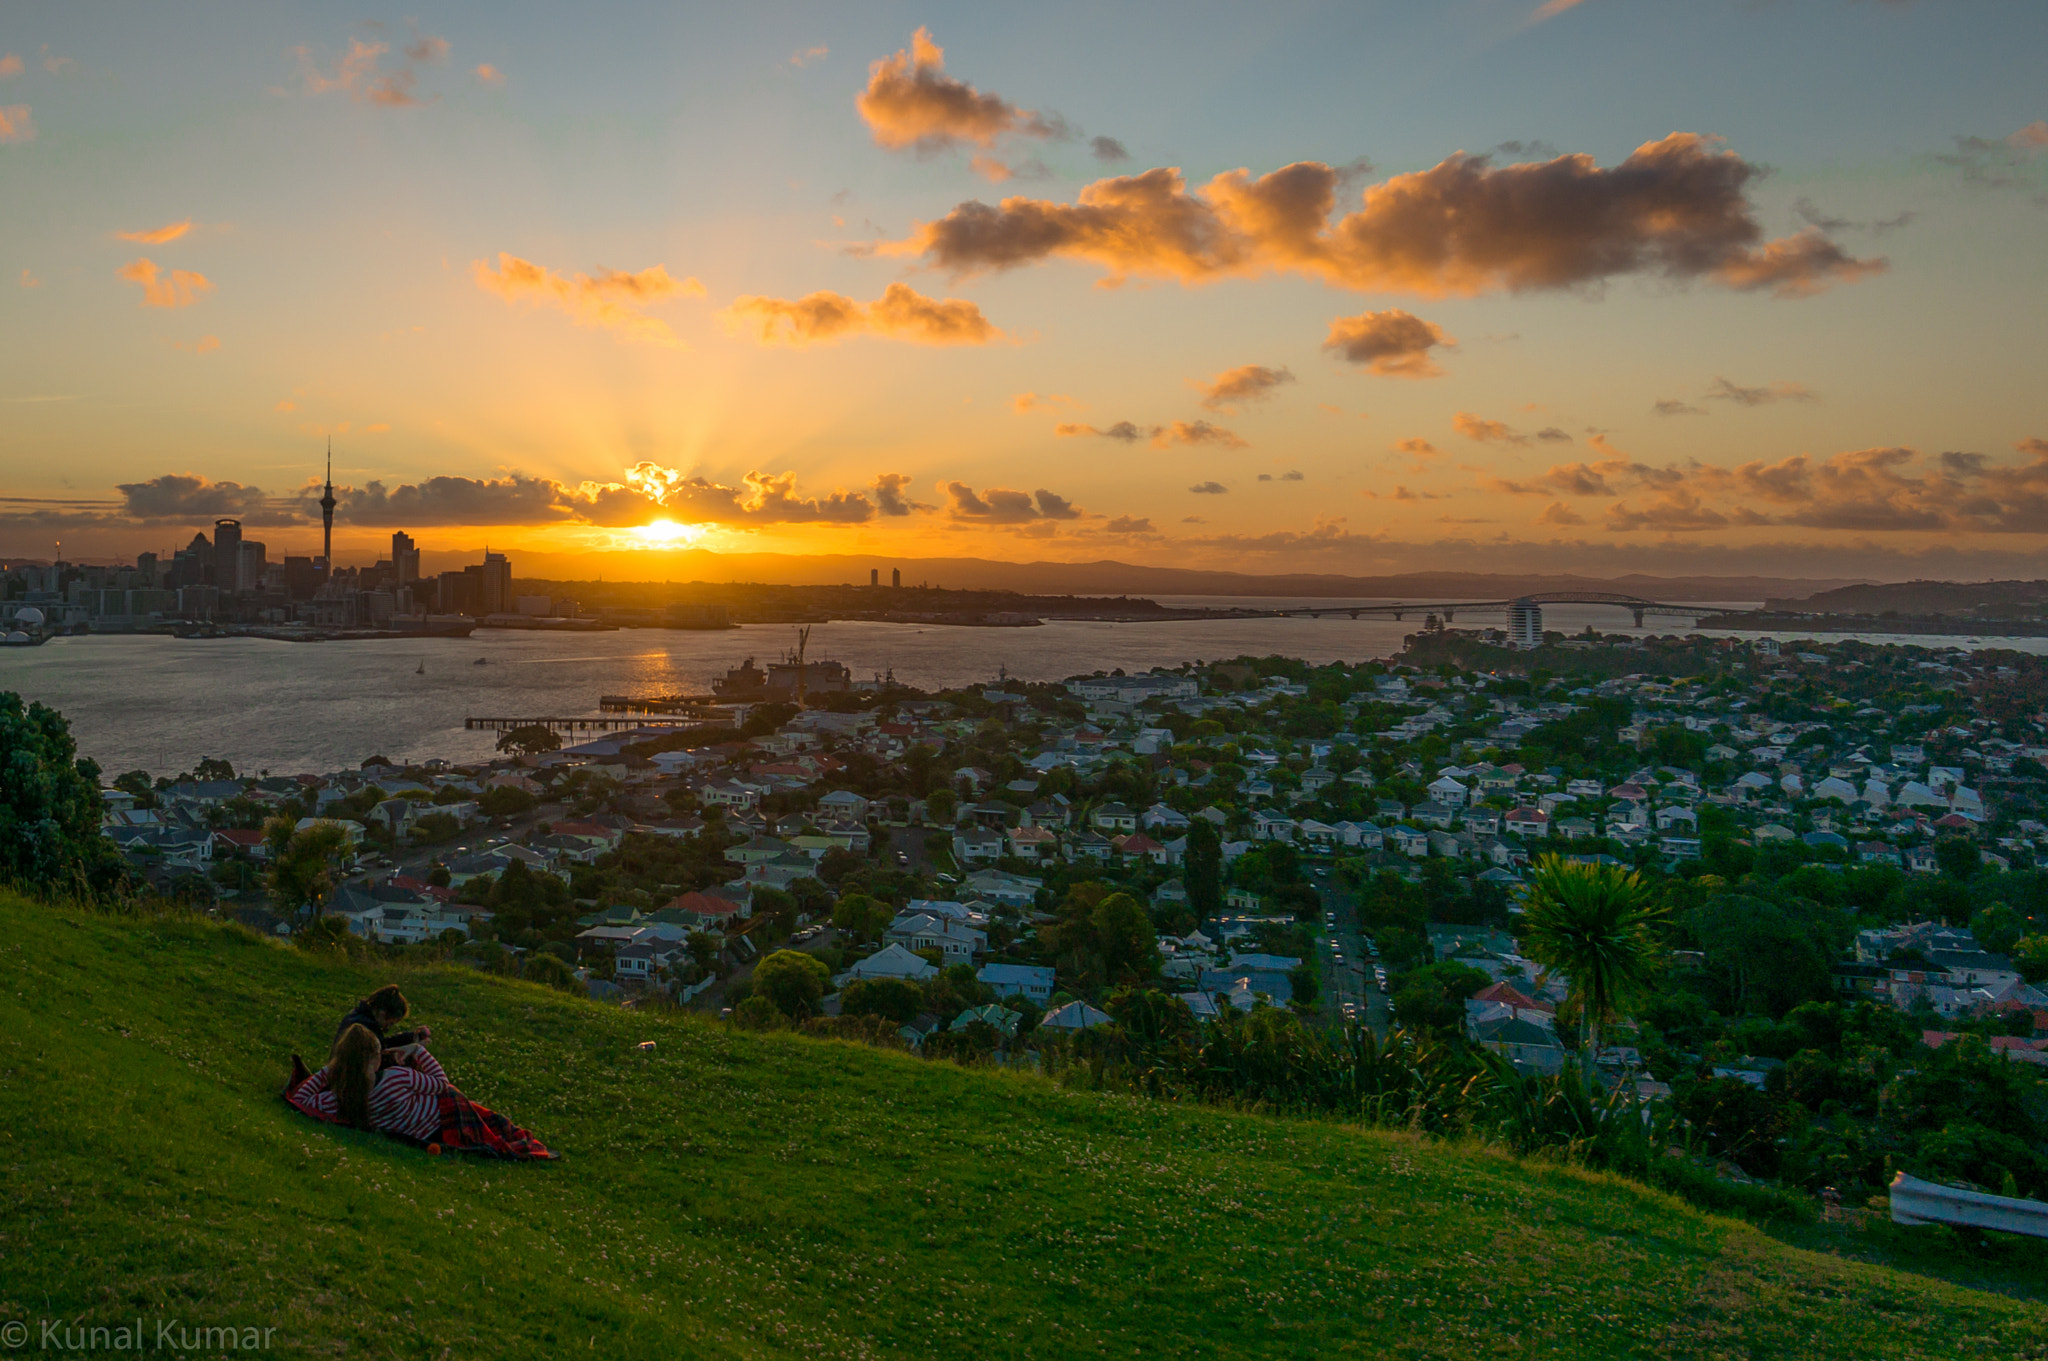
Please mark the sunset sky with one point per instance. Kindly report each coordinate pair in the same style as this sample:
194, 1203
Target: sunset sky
1616, 285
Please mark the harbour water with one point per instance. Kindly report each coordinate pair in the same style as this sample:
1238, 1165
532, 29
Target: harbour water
161, 704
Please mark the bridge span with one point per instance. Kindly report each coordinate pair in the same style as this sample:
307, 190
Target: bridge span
1638, 606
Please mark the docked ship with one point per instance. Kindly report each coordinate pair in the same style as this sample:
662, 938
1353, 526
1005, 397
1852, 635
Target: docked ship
748, 682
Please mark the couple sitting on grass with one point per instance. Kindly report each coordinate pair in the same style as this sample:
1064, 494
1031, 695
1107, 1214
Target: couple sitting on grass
390, 1083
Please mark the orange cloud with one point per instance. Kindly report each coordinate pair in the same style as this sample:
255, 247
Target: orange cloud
1393, 343
805, 56
1195, 432
1550, 9
176, 288
1675, 208
610, 298
490, 75
910, 101
901, 313
1483, 431
203, 345
158, 236
1245, 383
1025, 402
16, 125
10, 65
29, 280
1725, 391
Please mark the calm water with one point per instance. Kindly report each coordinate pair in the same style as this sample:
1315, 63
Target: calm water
163, 703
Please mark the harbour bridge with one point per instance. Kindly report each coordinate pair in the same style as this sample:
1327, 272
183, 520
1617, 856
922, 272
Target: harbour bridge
1448, 610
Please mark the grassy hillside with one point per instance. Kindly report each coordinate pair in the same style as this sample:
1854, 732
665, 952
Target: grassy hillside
736, 1195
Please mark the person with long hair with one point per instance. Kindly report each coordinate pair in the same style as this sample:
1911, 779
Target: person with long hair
410, 1099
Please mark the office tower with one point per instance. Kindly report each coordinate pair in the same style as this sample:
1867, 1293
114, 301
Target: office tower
896, 577
494, 590
405, 559
255, 562
227, 556
874, 576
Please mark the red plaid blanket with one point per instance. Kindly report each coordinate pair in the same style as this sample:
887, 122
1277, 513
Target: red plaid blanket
469, 1128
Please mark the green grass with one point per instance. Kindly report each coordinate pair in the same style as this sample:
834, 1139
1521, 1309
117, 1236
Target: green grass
740, 1195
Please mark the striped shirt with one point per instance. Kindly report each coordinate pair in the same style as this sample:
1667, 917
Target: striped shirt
405, 1101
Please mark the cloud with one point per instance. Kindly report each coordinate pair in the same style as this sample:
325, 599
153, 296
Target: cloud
1483, 431
16, 123
1123, 431
610, 298
1725, 391
1108, 150
1550, 434
10, 65
1129, 524
1420, 449
1673, 406
1025, 402
1550, 9
29, 280
1245, 383
1392, 344
357, 73
910, 102
761, 498
1675, 208
175, 497
56, 65
806, 55
203, 345
2032, 137
1558, 513
1291, 476
892, 495
1000, 505
177, 288
1209, 489
901, 313
489, 74
1194, 432
158, 236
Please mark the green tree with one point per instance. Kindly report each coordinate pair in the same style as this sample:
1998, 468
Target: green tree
531, 740
549, 969
1433, 996
940, 805
505, 801
1124, 934
302, 861
1997, 928
860, 915
49, 803
1596, 924
137, 783
2030, 957
211, 768
1957, 856
793, 981
894, 999
1203, 873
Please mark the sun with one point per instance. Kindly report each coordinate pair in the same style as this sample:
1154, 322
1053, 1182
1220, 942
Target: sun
666, 534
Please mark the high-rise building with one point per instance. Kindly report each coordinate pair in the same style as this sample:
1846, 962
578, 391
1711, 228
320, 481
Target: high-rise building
405, 559
227, 556
301, 578
327, 512
494, 591
896, 577
1525, 624
255, 561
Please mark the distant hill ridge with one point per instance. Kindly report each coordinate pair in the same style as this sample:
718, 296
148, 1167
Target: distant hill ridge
734, 1195
1988, 599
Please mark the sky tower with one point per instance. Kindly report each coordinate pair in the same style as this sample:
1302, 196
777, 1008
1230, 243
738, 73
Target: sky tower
327, 512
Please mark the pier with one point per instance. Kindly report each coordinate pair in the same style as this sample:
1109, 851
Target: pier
576, 725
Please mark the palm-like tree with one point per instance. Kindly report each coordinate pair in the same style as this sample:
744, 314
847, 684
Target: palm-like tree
1597, 925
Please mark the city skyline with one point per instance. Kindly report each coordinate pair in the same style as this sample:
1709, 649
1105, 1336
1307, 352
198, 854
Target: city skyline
1490, 287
